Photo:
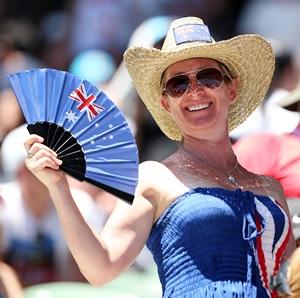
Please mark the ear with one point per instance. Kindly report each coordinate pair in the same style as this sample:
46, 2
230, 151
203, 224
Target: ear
233, 90
165, 103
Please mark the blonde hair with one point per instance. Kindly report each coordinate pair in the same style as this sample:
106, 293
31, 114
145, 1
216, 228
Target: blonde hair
293, 274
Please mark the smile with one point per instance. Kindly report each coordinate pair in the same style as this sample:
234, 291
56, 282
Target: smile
198, 107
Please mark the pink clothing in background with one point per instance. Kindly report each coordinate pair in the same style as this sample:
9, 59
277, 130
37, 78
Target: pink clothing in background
272, 155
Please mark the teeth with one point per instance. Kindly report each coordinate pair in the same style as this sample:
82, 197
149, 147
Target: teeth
198, 107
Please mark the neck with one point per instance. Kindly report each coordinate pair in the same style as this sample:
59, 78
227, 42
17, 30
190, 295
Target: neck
218, 152
225, 165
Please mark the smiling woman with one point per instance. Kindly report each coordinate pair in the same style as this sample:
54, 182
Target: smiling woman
199, 94
214, 228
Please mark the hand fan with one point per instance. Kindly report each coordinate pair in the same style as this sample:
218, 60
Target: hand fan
82, 125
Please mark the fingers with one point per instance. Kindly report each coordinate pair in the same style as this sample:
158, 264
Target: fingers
39, 155
33, 144
44, 158
36, 147
31, 140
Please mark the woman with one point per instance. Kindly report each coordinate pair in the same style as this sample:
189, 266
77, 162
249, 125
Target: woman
215, 229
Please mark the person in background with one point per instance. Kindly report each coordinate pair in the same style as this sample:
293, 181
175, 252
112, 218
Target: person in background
32, 242
265, 117
10, 286
10, 113
215, 229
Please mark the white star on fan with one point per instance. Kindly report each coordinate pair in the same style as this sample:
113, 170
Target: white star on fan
71, 116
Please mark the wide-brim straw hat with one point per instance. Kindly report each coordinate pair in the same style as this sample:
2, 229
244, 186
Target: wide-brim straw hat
248, 57
289, 101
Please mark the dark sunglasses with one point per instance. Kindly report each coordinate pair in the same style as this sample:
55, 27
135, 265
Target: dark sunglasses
211, 78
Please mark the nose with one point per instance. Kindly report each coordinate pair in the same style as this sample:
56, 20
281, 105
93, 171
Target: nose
194, 86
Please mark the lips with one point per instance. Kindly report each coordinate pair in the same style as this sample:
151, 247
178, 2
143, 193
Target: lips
198, 107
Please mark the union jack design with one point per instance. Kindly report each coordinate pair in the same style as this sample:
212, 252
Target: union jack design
86, 102
273, 241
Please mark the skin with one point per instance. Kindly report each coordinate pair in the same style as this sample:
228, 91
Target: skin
10, 286
101, 257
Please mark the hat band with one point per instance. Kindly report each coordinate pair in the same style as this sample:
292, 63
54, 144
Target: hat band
191, 33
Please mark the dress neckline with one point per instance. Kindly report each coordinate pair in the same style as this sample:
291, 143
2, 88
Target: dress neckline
208, 191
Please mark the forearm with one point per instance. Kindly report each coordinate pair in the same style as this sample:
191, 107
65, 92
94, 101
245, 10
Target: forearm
87, 248
96, 262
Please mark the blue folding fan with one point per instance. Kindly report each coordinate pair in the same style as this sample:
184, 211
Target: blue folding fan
82, 125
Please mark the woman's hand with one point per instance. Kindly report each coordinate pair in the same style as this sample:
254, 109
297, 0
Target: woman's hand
43, 162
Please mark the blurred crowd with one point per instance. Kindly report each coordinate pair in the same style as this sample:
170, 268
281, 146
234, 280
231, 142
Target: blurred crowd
88, 38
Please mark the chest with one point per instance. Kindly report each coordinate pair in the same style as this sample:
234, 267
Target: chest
231, 215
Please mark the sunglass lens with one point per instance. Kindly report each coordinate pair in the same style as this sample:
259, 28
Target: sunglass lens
177, 86
210, 78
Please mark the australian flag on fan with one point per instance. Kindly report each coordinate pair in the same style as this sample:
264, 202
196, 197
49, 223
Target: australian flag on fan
82, 125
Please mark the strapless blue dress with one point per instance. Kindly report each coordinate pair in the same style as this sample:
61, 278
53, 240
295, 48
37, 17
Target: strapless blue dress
213, 242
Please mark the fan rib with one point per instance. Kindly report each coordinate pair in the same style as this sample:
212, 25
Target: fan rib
68, 148
68, 154
54, 148
65, 142
53, 138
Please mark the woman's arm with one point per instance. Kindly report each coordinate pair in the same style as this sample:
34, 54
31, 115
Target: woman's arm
100, 257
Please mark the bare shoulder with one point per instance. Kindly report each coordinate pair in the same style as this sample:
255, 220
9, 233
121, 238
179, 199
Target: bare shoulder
150, 167
274, 189
159, 184
155, 178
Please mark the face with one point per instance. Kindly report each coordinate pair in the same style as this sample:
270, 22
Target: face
198, 101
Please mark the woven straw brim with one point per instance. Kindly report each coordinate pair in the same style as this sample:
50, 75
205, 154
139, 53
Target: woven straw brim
248, 57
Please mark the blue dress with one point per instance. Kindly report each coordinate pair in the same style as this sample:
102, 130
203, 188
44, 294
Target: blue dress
213, 242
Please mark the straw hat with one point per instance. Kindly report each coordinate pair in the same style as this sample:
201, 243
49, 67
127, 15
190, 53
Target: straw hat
291, 99
248, 57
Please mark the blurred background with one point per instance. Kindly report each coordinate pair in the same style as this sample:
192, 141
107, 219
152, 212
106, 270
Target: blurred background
88, 38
